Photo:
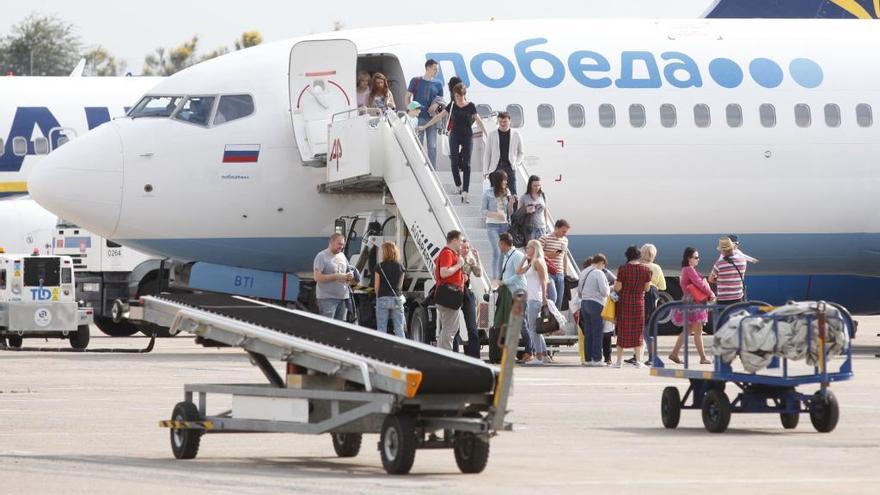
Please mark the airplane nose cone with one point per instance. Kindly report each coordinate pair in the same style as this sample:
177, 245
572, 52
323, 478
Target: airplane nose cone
81, 181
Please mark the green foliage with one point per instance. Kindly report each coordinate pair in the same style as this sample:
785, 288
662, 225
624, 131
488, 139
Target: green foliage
100, 62
248, 39
165, 62
40, 45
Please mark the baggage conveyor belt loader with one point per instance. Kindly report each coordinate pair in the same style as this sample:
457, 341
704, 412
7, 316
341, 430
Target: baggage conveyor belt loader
341, 379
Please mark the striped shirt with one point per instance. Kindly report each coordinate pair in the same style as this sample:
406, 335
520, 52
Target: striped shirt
554, 248
729, 282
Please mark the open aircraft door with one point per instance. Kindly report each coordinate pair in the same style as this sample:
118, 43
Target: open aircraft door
322, 83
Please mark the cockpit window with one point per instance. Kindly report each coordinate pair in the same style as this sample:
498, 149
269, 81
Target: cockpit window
155, 106
233, 107
196, 110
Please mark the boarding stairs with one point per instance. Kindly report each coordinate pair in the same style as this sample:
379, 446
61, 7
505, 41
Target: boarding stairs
370, 152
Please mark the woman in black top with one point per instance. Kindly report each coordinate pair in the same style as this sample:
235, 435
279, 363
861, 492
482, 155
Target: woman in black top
388, 285
462, 115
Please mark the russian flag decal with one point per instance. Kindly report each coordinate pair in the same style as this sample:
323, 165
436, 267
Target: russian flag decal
241, 153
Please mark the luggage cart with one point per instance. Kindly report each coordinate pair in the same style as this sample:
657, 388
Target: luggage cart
758, 393
341, 379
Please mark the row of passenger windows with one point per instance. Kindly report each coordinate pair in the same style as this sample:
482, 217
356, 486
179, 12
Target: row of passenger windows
668, 115
20, 145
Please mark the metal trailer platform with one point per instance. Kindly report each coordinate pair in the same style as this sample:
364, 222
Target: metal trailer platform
342, 379
758, 392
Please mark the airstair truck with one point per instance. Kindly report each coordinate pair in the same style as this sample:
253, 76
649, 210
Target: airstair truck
37, 300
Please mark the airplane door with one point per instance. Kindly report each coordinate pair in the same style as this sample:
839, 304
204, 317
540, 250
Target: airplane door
322, 83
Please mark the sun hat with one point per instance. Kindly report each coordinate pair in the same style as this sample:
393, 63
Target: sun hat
725, 244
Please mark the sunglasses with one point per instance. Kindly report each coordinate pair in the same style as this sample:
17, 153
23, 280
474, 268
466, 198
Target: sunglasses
695, 257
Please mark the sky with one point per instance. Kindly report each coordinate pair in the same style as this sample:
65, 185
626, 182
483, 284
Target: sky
132, 29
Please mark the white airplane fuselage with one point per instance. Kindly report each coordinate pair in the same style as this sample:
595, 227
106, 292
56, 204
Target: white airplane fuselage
801, 195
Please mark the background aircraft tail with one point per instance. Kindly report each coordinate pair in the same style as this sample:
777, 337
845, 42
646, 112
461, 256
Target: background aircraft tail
794, 9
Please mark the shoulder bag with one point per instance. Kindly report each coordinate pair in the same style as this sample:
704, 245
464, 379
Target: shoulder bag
444, 134
546, 322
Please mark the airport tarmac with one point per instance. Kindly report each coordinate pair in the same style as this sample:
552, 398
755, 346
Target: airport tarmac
88, 423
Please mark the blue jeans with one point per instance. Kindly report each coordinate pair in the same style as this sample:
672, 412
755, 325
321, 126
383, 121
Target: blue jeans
551, 290
460, 158
558, 282
494, 230
429, 135
537, 233
592, 325
533, 310
390, 306
333, 308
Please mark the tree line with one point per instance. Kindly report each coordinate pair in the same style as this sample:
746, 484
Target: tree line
45, 45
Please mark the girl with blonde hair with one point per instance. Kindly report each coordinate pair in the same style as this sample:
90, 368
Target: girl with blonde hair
388, 285
535, 269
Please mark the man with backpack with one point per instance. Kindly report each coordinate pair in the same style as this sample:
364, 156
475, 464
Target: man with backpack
449, 289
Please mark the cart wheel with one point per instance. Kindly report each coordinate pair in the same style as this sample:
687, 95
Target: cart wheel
185, 442
397, 443
346, 444
670, 407
789, 420
15, 341
471, 452
824, 412
80, 338
716, 411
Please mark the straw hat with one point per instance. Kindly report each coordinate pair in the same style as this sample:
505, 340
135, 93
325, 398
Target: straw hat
725, 244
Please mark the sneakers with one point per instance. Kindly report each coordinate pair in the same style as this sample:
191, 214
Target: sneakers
631, 360
533, 362
464, 197
615, 365
640, 365
594, 364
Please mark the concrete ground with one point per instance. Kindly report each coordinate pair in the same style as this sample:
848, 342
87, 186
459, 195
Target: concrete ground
87, 423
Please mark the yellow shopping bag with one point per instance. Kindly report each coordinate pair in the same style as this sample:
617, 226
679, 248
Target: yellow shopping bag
609, 311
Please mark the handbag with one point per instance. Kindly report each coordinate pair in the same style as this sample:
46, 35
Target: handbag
697, 294
610, 310
546, 322
552, 269
444, 134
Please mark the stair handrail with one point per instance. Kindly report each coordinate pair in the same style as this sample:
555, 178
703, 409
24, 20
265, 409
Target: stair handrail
391, 119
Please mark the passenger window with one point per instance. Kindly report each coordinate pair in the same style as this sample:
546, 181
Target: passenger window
734, 115
546, 116
19, 146
802, 115
637, 115
668, 117
155, 106
196, 110
234, 107
111, 244
41, 146
66, 276
832, 115
2, 147
577, 116
484, 111
702, 117
767, 112
864, 115
607, 117
516, 115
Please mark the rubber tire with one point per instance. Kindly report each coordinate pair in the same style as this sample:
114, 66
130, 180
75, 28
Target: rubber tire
789, 420
670, 407
185, 443
15, 341
716, 411
417, 329
80, 338
346, 444
397, 443
109, 327
824, 413
471, 452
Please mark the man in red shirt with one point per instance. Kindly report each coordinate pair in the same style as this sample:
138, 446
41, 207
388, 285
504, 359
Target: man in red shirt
449, 272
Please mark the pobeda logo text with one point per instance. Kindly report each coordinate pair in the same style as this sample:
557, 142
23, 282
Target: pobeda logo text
637, 70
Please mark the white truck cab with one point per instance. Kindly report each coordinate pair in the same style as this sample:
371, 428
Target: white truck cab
37, 300
107, 272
